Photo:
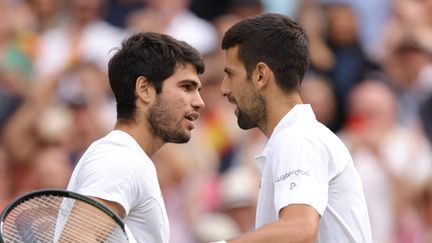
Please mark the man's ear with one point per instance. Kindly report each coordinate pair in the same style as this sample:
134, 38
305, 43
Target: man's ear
144, 90
262, 74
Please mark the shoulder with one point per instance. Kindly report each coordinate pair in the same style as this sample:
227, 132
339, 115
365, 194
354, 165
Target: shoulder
116, 153
312, 140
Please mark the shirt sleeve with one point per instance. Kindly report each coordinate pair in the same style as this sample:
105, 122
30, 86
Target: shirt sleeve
109, 177
300, 174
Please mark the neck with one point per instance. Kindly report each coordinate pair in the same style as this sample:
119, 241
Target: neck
277, 108
142, 135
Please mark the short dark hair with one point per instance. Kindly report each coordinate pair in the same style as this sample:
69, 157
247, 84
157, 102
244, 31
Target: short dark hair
274, 39
152, 55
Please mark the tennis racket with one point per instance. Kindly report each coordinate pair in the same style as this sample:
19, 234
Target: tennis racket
53, 215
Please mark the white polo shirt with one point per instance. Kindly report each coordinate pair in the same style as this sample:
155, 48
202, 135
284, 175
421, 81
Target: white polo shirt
115, 168
304, 162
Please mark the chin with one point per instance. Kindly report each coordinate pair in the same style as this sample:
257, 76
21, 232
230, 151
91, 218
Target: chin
179, 138
182, 141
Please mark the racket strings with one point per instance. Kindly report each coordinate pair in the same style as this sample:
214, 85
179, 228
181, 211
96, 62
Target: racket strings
25, 220
100, 224
58, 219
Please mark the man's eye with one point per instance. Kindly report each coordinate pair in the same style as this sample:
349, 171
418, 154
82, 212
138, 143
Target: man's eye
187, 87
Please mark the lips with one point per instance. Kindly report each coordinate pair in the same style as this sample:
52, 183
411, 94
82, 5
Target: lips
192, 116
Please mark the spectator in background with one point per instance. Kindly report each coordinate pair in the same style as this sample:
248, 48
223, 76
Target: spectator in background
16, 66
317, 91
391, 160
406, 58
85, 92
409, 18
51, 168
176, 168
47, 13
84, 38
117, 12
25, 21
21, 136
336, 51
351, 63
372, 17
239, 191
70, 109
409, 68
174, 18
312, 18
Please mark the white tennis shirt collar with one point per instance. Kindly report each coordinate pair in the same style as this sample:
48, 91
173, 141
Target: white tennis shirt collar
297, 112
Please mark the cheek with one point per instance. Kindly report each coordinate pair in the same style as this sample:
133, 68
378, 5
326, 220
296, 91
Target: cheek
237, 90
181, 102
245, 92
176, 103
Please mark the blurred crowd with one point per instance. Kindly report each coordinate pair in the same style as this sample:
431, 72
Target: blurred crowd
370, 81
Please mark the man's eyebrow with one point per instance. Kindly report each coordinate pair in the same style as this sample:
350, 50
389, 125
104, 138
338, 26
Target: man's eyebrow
190, 82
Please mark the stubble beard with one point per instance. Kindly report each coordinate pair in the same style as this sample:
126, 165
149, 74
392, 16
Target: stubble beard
254, 112
163, 123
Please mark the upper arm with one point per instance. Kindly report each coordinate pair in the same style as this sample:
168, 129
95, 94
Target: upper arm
301, 217
113, 206
109, 180
300, 175
297, 223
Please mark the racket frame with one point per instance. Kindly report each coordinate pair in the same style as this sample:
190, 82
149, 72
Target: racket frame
60, 193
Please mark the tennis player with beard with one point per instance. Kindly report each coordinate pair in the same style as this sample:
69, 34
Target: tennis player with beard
154, 78
310, 190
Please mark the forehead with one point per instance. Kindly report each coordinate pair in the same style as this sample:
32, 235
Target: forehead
231, 56
184, 72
